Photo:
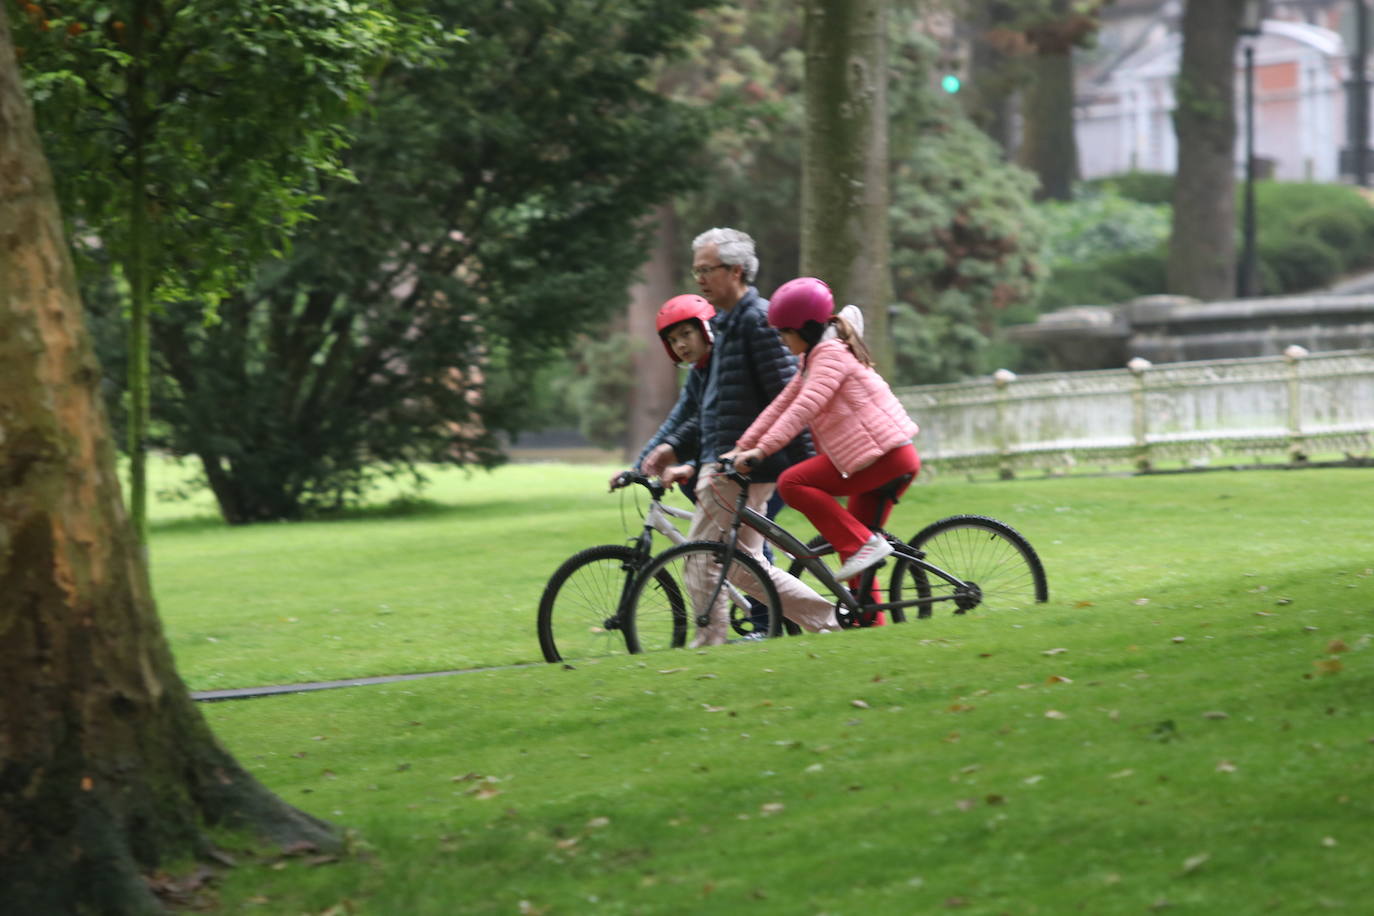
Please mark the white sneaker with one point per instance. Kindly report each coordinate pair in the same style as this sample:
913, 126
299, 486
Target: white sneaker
874, 550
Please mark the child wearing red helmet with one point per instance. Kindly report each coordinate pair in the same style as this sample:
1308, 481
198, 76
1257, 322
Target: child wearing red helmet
862, 432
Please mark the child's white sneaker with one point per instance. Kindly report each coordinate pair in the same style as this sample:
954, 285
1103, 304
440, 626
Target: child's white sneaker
874, 550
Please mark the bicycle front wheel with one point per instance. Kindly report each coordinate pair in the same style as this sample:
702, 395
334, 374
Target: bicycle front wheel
999, 566
694, 569
579, 612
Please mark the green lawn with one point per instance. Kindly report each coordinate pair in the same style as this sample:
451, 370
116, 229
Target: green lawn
1186, 726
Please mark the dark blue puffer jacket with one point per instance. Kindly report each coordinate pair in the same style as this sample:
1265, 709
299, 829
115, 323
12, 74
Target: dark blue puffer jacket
749, 365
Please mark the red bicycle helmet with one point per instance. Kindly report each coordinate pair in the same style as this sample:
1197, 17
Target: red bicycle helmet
801, 300
685, 308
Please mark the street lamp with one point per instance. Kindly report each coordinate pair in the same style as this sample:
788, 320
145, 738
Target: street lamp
1251, 24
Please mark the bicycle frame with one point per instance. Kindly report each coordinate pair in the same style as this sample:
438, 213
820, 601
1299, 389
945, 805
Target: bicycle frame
810, 559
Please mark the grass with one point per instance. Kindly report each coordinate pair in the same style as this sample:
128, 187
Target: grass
1185, 725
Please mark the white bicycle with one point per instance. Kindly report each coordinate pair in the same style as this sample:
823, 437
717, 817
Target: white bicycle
583, 611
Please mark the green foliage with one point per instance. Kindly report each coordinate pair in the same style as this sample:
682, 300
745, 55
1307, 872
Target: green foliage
600, 385
1142, 187
497, 210
967, 242
1101, 222
1298, 262
232, 161
1342, 231
746, 70
1309, 233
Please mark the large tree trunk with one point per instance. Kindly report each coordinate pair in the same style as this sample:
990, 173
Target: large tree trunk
844, 232
106, 766
1048, 145
656, 384
1202, 246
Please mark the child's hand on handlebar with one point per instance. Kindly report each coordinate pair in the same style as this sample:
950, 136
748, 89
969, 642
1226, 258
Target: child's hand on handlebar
620, 479
745, 460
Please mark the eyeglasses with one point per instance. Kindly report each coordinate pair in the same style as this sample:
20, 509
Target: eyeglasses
702, 272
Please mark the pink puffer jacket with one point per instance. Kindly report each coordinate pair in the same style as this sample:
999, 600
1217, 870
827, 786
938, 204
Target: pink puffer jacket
855, 418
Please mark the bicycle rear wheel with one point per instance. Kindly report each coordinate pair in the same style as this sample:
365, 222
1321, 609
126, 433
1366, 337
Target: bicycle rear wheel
579, 611
1002, 569
698, 563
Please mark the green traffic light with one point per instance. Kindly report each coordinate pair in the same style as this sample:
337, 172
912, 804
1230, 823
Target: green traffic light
950, 83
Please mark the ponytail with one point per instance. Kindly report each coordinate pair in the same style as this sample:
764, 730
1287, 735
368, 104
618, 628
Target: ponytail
853, 339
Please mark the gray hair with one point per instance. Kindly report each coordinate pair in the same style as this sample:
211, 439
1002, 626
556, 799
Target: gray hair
734, 247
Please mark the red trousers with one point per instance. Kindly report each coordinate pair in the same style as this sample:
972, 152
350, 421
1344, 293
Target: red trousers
811, 487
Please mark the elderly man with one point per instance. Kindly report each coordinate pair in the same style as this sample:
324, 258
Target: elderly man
748, 367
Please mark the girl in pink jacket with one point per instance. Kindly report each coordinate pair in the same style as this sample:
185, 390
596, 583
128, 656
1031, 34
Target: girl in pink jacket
860, 429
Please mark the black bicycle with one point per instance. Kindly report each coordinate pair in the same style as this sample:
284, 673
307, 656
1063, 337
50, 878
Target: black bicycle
965, 562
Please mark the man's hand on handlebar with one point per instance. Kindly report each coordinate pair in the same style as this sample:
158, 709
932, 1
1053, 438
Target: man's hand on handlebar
658, 459
678, 473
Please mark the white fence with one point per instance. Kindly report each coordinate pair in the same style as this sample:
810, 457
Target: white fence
1292, 405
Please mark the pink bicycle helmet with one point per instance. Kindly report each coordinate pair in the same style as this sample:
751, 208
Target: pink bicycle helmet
685, 308
801, 300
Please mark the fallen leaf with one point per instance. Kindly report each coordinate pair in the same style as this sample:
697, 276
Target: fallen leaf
1179, 639
995, 800
1055, 714
1193, 863
1329, 666
485, 791
670, 670
860, 704
960, 707
597, 822
1032, 780
1336, 646
1121, 774
1225, 766
1329, 841
1054, 652
772, 808
1058, 679
966, 804
1215, 714
1141, 601
1082, 604
1283, 601
709, 708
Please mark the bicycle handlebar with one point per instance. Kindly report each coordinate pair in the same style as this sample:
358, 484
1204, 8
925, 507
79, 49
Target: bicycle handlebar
728, 466
630, 478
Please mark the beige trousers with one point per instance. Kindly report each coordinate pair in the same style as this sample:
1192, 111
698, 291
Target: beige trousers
716, 497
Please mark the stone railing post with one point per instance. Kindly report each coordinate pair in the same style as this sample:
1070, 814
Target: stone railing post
1003, 378
1140, 427
1297, 445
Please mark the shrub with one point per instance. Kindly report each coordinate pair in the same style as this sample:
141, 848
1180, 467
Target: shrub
1142, 187
1083, 284
1143, 272
1343, 230
1299, 262
1099, 223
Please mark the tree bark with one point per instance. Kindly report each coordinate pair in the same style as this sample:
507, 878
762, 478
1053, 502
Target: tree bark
1202, 245
106, 766
656, 384
844, 234
1048, 145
